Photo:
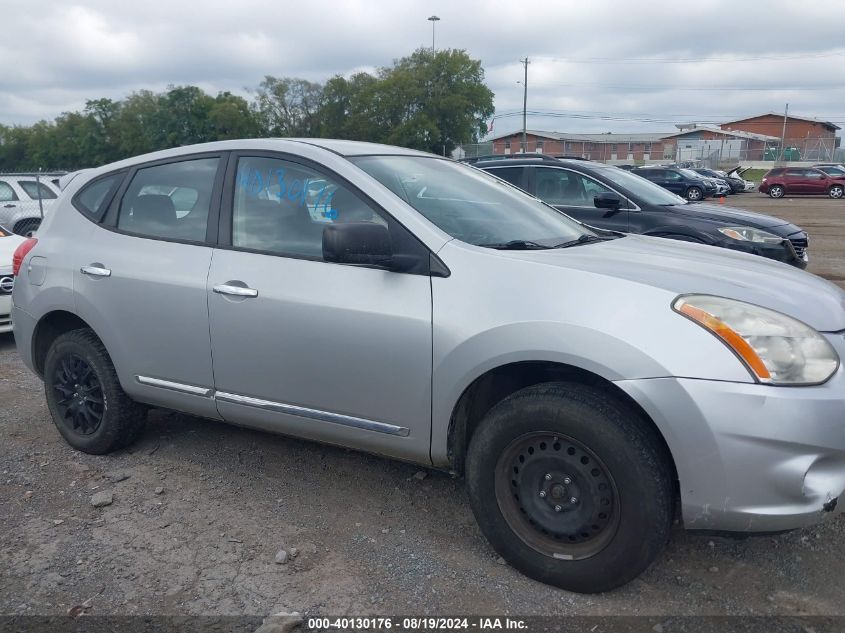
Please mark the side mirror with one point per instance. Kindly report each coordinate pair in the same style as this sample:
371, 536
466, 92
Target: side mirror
362, 243
607, 201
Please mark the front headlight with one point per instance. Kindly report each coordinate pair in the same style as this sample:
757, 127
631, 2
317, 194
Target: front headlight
748, 234
775, 348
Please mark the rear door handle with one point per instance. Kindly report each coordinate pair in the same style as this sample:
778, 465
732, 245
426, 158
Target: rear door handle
237, 291
95, 270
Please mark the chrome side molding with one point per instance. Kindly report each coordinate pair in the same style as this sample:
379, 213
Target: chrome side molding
174, 386
278, 407
314, 414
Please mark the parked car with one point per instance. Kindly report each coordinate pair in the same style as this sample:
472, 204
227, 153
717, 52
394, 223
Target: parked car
734, 184
20, 209
9, 243
585, 383
679, 180
738, 173
612, 199
795, 181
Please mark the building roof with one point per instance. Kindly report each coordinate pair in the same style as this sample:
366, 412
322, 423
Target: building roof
733, 133
789, 116
589, 138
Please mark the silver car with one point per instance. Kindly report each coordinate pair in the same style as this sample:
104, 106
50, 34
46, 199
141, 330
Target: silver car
588, 385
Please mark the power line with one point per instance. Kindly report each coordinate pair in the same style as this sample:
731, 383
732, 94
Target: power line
690, 60
780, 88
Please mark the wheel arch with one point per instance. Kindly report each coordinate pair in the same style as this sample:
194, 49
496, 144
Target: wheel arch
48, 329
498, 383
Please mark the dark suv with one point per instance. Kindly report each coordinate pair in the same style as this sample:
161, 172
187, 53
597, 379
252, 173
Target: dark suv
684, 182
802, 181
610, 198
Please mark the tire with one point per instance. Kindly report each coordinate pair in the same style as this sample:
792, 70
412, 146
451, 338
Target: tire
103, 418
695, 194
27, 227
776, 191
526, 462
836, 192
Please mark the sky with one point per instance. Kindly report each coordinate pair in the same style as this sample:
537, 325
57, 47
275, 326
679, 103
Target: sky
595, 66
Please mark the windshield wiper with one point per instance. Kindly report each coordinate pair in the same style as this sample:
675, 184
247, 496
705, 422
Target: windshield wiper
585, 239
515, 245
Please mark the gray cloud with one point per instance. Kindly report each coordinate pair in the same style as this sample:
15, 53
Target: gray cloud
57, 54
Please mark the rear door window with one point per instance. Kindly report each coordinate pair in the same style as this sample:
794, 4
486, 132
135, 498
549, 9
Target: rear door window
514, 175
7, 194
170, 201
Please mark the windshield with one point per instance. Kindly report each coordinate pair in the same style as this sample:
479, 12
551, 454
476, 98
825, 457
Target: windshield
469, 204
646, 191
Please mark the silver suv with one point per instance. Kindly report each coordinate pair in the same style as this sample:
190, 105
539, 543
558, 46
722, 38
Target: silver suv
587, 384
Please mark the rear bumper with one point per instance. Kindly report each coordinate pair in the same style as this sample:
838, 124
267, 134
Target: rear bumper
24, 325
751, 458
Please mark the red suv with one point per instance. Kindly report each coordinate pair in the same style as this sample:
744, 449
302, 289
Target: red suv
802, 181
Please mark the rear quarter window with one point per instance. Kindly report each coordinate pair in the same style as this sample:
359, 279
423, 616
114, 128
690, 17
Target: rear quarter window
94, 197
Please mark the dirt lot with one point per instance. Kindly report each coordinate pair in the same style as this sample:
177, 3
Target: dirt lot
200, 510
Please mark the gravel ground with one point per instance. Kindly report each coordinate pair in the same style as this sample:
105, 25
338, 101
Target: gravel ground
199, 512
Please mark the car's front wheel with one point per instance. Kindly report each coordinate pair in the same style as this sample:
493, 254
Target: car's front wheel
776, 191
695, 193
570, 486
836, 192
86, 401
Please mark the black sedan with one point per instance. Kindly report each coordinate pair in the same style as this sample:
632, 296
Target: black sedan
610, 198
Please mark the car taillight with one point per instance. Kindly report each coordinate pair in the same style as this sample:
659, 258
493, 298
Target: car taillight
20, 252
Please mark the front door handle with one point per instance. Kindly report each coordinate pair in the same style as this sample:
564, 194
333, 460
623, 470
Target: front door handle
95, 270
8, 206
236, 291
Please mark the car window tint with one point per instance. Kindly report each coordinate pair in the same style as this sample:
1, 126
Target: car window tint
795, 173
511, 174
671, 175
564, 187
813, 174
170, 201
282, 207
7, 194
32, 189
90, 198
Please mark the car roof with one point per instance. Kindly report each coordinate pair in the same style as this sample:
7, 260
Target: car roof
559, 162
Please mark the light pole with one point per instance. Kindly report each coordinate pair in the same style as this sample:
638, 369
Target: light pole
525, 63
433, 19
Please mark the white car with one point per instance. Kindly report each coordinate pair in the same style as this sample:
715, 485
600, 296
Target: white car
20, 210
8, 243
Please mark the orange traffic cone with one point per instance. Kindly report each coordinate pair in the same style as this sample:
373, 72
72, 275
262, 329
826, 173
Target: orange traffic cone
721, 199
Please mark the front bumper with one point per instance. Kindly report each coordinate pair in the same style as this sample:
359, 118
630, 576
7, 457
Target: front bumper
750, 457
5, 313
784, 252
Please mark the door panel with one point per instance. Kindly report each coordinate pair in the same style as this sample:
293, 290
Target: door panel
145, 293
321, 350
333, 339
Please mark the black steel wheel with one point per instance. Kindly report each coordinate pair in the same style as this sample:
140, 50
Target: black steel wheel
571, 486
86, 401
79, 395
557, 496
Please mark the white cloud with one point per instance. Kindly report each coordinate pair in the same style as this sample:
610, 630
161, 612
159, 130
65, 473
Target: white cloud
55, 55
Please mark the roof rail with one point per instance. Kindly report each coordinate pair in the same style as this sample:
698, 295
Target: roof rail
503, 157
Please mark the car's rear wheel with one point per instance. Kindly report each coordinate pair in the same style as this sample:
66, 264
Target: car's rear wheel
695, 193
776, 191
570, 487
28, 227
836, 192
86, 401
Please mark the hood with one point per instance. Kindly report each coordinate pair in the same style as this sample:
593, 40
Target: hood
8, 245
684, 268
729, 215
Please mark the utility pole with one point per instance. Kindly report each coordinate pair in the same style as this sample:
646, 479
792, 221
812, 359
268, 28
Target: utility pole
783, 133
525, 63
434, 20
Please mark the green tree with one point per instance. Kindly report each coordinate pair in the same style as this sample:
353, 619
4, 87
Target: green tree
288, 106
